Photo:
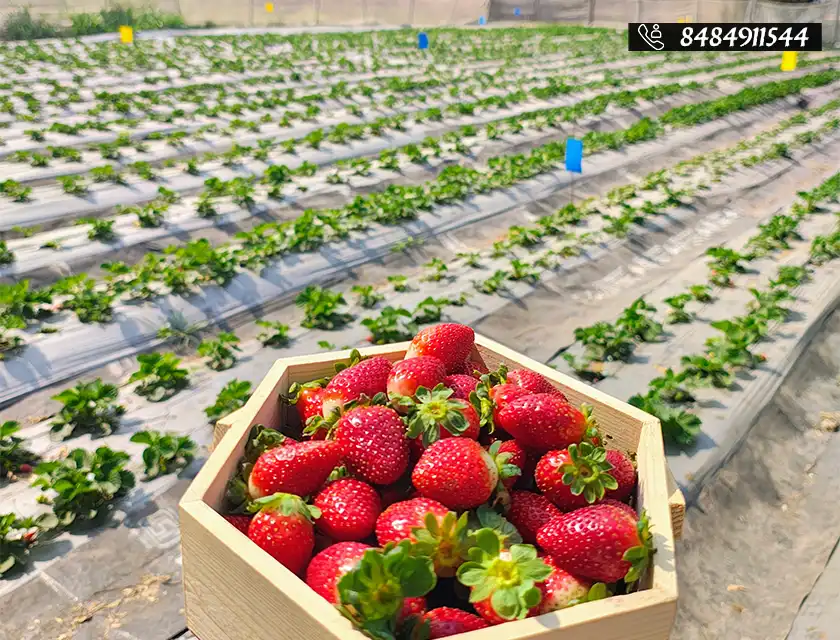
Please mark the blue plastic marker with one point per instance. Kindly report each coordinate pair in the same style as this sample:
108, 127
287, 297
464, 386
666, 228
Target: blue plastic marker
482, 20
574, 155
517, 11
422, 40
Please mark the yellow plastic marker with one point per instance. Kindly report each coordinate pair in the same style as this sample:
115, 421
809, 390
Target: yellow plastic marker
269, 7
688, 19
789, 60
126, 35
680, 20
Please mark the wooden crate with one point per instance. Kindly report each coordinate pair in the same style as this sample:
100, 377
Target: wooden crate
235, 591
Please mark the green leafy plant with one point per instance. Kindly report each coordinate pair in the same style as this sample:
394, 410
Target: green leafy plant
437, 270
677, 314
678, 425
220, 352
705, 371
275, 334
85, 483
494, 283
14, 456
89, 407
100, 229
471, 259
367, 296
160, 376
399, 282
6, 256
391, 325
164, 453
233, 396
637, 321
74, 185
19, 535
724, 264
179, 329
701, 293
321, 308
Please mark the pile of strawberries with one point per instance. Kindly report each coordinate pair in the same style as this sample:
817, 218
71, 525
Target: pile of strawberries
431, 497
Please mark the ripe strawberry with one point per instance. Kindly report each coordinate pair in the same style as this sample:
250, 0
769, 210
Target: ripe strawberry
542, 422
373, 443
299, 468
529, 512
307, 398
502, 394
534, 382
326, 568
240, 522
626, 508
435, 415
407, 375
561, 589
439, 533
514, 455
349, 509
412, 607
456, 472
446, 621
503, 582
449, 342
283, 528
575, 477
601, 542
470, 367
367, 378
461, 385
624, 473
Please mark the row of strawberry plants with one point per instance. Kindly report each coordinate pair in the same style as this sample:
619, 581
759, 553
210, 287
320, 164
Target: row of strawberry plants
666, 395
199, 262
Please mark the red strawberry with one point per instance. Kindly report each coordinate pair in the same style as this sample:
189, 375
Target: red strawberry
446, 621
469, 368
299, 468
624, 473
326, 568
529, 512
461, 384
575, 477
349, 509
456, 472
373, 443
601, 542
534, 382
502, 582
435, 415
514, 455
412, 607
438, 532
407, 375
561, 589
449, 342
542, 422
283, 528
307, 398
502, 394
367, 378
626, 508
240, 522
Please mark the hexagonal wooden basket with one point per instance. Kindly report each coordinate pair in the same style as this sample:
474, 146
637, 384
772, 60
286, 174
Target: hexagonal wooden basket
235, 591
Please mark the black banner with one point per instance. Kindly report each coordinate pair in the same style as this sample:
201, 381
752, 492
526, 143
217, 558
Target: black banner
712, 36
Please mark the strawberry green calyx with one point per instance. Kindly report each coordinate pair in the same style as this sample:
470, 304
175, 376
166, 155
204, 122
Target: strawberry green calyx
588, 472
432, 410
592, 434
285, 504
485, 517
480, 398
371, 596
639, 556
597, 591
445, 542
507, 578
506, 469
293, 394
328, 424
355, 358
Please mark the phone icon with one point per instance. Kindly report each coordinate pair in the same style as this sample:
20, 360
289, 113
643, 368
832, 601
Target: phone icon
653, 40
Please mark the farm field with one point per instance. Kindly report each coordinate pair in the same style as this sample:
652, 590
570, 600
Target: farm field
177, 215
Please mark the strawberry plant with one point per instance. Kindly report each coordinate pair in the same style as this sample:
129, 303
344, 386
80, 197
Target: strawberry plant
220, 352
275, 334
471, 259
102, 230
679, 427
391, 325
677, 314
85, 484
164, 453
89, 407
437, 270
89, 304
825, 248
701, 293
107, 173
494, 283
705, 371
233, 396
367, 297
523, 271
790, 277
604, 342
14, 190
6, 256
724, 264
19, 535
14, 456
429, 310
321, 308
400, 283
159, 375
179, 329
670, 387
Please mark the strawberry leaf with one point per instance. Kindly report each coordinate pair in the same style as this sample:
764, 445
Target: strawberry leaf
639, 556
